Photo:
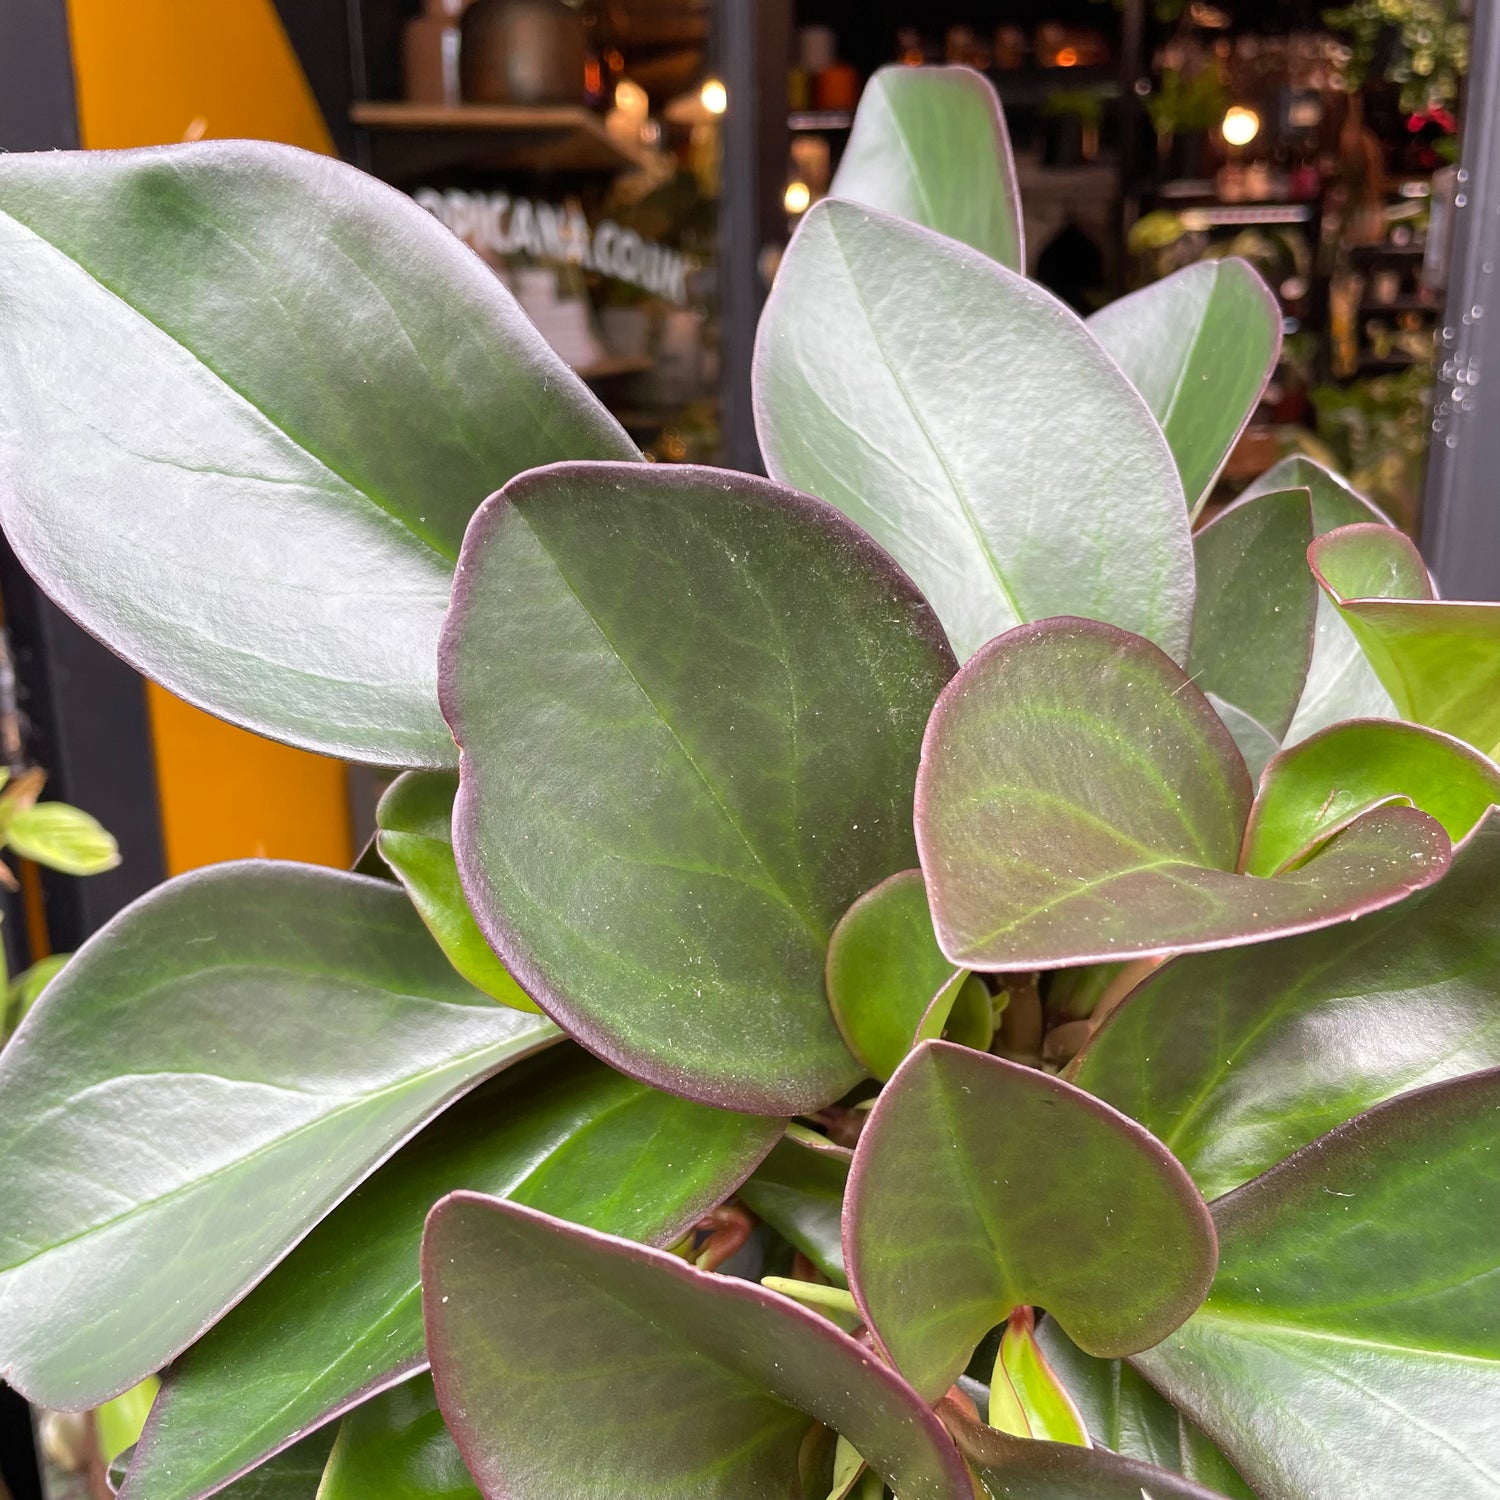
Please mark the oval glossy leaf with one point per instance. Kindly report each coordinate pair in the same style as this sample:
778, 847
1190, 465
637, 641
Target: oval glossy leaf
341, 1316
1319, 786
884, 967
415, 838
62, 838
980, 1186
1341, 683
210, 1074
964, 418
700, 1387
397, 1448
930, 145
1080, 802
690, 705
1439, 661
1257, 603
1126, 1415
1200, 346
1350, 1344
251, 398
1236, 1059
799, 1191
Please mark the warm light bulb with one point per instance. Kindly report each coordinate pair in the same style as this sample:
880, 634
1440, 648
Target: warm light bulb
1240, 126
715, 97
797, 197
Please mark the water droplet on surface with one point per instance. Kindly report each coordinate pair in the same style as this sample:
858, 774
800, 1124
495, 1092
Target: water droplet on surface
1460, 200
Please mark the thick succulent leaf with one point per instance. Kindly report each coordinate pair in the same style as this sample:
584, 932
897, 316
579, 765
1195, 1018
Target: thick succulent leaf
292, 1475
1026, 1397
397, 1448
965, 418
1439, 661
1237, 1059
799, 1191
571, 1363
1079, 801
342, 1317
1128, 1416
415, 838
1318, 786
249, 398
980, 1186
1350, 1344
1200, 346
211, 1073
1014, 1468
1257, 603
690, 705
884, 968
930, 145
1341, 683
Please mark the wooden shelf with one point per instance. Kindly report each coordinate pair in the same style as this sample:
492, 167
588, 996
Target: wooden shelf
540, 137
606, 368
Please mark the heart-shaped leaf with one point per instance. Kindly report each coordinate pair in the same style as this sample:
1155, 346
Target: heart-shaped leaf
799, 1191
1080, 802
397, 1448
415, 819
1126, 1415
690, 705
1200, 346
980, 1186
966, 419
930, 145
1321, 785
1440, 662
341, 1316
1341, 684
251, 398
211, 1073
1257, 603
1350, 1344
571, 1363
1236, 1059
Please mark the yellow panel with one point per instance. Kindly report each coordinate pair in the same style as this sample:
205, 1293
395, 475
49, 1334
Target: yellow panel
154, 71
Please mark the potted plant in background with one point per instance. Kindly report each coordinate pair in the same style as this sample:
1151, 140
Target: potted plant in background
728, 800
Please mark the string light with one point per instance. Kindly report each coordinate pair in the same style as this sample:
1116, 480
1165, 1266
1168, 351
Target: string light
1240, 126
797, 198
715, 96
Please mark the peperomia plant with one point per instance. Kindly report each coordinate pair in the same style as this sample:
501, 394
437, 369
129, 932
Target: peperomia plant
1064, 941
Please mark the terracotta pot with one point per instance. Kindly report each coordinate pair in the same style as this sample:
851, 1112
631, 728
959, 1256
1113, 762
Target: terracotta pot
522, 52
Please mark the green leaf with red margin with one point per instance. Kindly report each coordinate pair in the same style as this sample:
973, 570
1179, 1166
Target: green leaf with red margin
799, 1191
293, 1475
415, 838
341, 1316
1317, 787
571, 1363
396, 1447
1200, 346
980, 1186
1080, 802
1236, 1059
1350, 1344
211, 1073
1439, 661
690, 705
930, 145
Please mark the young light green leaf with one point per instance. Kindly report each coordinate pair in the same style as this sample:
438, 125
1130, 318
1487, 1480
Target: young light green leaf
964, 417
1319, 786
690, 705
957, 1214
1200, 346
415, 838
249, 398
1080, 802
1026, 1397
62, 838
930, 145
210, 1074
1350, 1344
396, 1447
701, 1385
341, 1316
1236, 1059
799, 1191
1257, 603
1440, 662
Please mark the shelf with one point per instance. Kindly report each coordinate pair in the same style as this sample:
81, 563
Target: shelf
801, 121
540, 137
607, 368
1400, 305
1367, 253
